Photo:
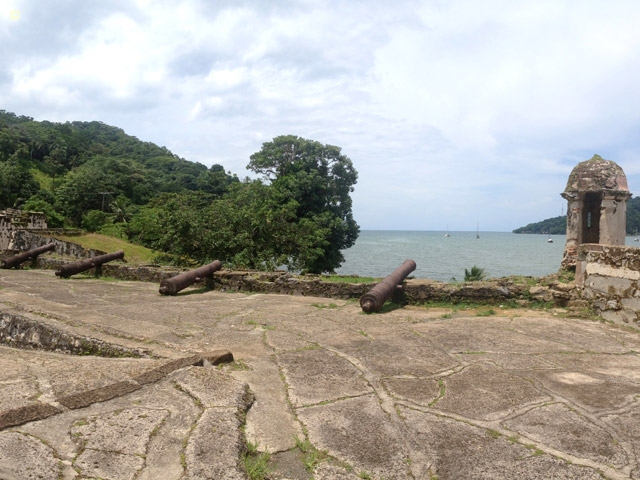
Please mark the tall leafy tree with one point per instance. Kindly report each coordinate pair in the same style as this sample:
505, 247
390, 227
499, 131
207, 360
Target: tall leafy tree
317, 179
16, 184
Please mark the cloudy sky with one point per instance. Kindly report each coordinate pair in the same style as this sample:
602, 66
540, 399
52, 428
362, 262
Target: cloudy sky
454, 112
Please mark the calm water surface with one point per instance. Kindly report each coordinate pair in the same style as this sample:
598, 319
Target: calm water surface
378, 252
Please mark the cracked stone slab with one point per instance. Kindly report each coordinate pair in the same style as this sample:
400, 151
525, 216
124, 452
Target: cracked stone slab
114, 444
486, 392
24, 457
421, 391
212, 387
123, 430
316, 376
111, 465
490, 335
587, 365
215, 446
627, 426
590, 337
399, 353
563, 429
270, 420
593, 391
18, 384
326, 471
357, 431
508, 361
451, 449
279, 339
609, 365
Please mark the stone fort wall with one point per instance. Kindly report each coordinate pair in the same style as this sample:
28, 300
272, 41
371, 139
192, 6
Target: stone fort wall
12, 221
609, 279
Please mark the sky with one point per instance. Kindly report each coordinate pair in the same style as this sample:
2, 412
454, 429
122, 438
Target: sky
457, 114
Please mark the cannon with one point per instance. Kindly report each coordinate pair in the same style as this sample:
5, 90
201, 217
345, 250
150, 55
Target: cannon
16, 260
65, 271
173, 285
374, 299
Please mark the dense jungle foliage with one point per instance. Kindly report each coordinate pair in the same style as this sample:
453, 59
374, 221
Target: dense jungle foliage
558, 225
95, 176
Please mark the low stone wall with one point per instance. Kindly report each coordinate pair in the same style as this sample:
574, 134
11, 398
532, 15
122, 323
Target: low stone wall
609, 279
19, 331
24, 240
414, 291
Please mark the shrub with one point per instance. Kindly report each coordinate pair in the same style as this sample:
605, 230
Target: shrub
474, 275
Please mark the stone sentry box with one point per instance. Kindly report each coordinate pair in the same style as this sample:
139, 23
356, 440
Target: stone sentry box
607, 271
597, 195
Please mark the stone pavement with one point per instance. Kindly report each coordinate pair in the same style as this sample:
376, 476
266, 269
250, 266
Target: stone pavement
330, 392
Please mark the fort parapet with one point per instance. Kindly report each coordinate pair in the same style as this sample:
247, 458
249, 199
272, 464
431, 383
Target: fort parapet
609, 279
12, 221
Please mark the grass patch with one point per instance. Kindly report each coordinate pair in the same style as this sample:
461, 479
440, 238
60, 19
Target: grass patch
236, 366
453, 304
45, 181
443, 389
135, 254
324, 305
522, 280
256, 464
312, 456
485, 313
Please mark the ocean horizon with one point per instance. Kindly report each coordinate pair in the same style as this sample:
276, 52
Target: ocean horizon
377, 253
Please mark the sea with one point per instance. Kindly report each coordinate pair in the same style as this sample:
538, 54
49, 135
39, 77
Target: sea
377, 253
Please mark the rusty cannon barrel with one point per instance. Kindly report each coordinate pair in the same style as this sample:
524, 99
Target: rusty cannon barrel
173, 285
69, 269
374, 299
16, 260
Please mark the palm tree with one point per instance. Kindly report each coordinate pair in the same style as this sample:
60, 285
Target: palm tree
474, 275
119, 209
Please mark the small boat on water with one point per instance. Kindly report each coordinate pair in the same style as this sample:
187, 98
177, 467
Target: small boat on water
549, 239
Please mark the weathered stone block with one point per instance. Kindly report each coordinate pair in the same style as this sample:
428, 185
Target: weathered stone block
541, 293
629, 316
610, 285
614, 316
632, 304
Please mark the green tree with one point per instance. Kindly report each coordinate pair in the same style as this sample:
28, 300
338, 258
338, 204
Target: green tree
17, 185
37, 204
120, 209
317, 181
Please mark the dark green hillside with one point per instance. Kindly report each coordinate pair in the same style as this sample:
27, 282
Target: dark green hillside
552, 226
95, 176
558, 225
92, 158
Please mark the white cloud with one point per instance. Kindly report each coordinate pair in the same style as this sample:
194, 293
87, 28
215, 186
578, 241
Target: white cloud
452, 112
